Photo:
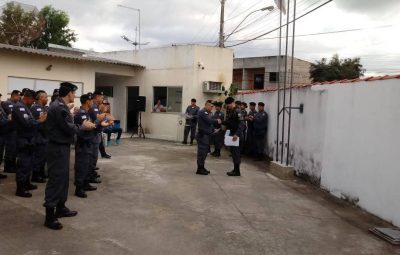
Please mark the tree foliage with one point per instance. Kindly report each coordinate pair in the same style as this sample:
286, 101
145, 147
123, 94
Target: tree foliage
18, 27
35, 29
336, 69
56, 31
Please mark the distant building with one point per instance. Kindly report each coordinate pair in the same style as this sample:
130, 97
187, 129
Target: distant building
262, 72
25, 7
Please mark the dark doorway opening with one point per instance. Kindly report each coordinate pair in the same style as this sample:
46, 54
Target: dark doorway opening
258, 81
132, 112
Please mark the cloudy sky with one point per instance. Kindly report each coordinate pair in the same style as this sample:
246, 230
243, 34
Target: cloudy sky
373, 26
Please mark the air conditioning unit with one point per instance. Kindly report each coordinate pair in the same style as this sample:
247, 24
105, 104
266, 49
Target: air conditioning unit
213, 87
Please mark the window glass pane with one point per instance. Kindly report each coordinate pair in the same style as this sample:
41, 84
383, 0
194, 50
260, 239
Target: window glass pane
19, 84
160, 93
174, 99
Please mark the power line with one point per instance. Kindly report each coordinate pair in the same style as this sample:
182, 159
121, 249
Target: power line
273, 30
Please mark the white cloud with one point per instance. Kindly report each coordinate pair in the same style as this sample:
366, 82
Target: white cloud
100, 23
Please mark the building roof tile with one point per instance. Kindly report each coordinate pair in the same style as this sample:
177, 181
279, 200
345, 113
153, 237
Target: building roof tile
87, 58
306, 85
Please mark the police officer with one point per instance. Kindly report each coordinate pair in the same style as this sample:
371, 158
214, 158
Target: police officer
55, 95
60, 131
4, 119
218, 135
191, 121
260, 130
250, 137
243, 112
98, 118
235, 123
26, 127
206, 127
39, 160
10, 155
83, 148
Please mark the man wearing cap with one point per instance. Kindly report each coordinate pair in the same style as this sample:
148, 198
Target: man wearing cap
84, 148
39, 160
218, 135
10, 155
26, 127
98, 118
191, 121
260, 130
250, 138
243, 112
235, 123
4, 119
60, 132
206, 128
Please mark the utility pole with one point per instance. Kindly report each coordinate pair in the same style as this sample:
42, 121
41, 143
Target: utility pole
221, 25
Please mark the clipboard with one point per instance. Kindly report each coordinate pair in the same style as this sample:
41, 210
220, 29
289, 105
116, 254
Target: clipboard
229, 141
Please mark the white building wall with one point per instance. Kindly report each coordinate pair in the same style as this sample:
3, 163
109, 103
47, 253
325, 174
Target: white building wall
176, 67
348, 139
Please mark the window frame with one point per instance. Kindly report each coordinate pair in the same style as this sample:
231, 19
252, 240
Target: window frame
167, 98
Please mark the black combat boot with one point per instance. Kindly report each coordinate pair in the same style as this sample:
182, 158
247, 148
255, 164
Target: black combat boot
3, 176
51, 220
88, 187
235, 171
29, 185
201, 170
43, 173
63, 211
22, 191
217, 153
191, 142
80, 192
36, 177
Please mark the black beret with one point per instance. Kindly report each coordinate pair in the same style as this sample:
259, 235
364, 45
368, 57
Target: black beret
261, 104
24, 89
253, 104
66, 87
193, 100
218, 104
238, 102
229, 100
244, 104
86, 97
29, 93
209, 101
98, 93
56, 91
16, 92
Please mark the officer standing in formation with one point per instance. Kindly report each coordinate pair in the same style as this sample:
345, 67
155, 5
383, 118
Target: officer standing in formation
10, 154
206, 124
235, 123
60, 130
218, 135
39, 160
26, 127
250, 137
84, 148
191, 121
243, 112
260, 130
4, 119
98, 117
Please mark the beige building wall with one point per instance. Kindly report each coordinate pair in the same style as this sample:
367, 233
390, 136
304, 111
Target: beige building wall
180, 66
23, 65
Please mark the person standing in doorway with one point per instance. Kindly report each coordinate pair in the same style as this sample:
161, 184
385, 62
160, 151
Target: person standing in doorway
191, 121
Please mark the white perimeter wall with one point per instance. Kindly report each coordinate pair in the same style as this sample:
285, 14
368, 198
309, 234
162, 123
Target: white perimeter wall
348, 138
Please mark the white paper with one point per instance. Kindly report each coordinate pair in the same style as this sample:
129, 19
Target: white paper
229, 140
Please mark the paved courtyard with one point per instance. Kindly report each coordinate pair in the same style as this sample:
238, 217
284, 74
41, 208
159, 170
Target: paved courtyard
151, 202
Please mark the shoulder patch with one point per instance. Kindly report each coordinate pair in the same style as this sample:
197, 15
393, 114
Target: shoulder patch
206, 113
22, 109
39, 109
84, 117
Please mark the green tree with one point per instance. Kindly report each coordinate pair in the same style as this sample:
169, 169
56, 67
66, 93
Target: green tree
56, 31
19, 27
336, 69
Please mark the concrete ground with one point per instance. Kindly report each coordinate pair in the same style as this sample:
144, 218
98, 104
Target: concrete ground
151, 202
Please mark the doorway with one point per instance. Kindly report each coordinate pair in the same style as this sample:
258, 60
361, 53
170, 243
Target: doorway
132, 112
